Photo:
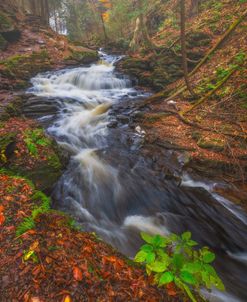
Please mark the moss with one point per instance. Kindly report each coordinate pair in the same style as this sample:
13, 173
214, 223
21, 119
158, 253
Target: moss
216, 145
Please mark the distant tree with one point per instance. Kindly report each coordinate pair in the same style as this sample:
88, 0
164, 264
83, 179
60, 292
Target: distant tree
183, 46
194, 7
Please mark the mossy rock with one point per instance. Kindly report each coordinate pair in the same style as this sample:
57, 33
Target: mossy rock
82, 55
24, 66
3, 43
13, 109
215, 145
39, 160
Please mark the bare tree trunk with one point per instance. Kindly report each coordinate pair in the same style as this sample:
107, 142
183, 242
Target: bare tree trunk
141, 35
183, 47
194, 8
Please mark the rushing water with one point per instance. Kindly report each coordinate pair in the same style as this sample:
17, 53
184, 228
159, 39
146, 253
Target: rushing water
112, 190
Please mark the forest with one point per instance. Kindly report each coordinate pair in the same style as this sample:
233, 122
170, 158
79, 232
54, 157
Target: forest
123, 150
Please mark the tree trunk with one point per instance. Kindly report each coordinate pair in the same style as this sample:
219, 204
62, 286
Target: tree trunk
183, 47
140, 35
194, 6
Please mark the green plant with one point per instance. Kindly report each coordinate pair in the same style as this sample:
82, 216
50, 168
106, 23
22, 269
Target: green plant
174, 259
29, 222
33, 138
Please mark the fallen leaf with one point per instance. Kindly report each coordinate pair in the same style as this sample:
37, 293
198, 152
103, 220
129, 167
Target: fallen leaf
171, 289
36, 299
2, 218
77, 274
34, 245
67, 299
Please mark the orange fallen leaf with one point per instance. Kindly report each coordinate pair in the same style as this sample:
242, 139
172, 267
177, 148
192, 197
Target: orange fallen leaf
1, 209
36, 299
67, 299
34, 245
77, 274
171, 289
2, 218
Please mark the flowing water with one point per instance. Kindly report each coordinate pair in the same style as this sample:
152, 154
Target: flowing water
111, 189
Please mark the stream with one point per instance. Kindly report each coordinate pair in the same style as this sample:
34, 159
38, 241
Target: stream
111, 189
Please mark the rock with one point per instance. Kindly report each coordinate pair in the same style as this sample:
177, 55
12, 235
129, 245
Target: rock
123, 119
44, 171
7, 29
41, 42
12, 35
82, 55
112, 124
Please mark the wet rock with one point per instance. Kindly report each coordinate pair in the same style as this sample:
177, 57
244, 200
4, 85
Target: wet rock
123, 119
112, 124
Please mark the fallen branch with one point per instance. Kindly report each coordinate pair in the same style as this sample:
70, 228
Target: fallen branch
208, 95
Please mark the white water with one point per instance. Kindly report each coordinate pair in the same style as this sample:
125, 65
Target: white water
111, 191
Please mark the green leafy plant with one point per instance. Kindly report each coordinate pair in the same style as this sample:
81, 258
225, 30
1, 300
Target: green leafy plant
177, 259
33, 138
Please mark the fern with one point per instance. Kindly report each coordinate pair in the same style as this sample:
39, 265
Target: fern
27, 224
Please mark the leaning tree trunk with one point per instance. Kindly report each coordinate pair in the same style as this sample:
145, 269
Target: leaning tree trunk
183, 47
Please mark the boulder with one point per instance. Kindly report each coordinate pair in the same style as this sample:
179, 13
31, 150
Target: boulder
8, 30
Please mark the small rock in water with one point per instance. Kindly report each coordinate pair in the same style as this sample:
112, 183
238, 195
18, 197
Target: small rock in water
139, 130
41, 42
171, 102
